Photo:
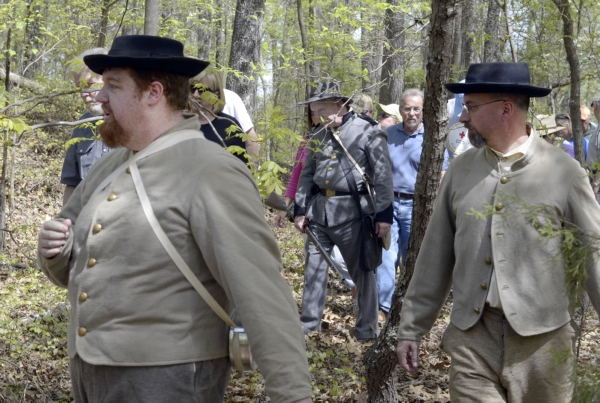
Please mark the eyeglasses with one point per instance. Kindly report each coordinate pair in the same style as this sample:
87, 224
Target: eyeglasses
471, 108
415, 110
201, 88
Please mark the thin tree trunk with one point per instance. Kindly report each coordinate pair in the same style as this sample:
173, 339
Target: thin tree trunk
380, 360
245, 49
392, 72
151, 17
468, 24
304, 37
513, 46
220, 25
457, 47
103, 23
203, 30
491, 46
573, 59
4, 150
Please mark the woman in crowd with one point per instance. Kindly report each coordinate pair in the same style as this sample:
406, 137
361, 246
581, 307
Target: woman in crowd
207, 100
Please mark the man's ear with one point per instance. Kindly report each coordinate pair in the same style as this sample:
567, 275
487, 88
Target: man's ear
155, 92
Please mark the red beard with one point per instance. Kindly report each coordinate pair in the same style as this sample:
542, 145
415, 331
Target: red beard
113, 134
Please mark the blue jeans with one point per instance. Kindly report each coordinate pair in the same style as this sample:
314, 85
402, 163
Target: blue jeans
386, 272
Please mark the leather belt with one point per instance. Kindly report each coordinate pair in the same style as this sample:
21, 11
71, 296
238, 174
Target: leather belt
333, 193
404, 195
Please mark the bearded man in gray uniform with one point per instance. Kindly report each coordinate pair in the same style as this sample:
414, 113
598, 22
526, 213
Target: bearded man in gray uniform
325, 202
510, 317
139, 331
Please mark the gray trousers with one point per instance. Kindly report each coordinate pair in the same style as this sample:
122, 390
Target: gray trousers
346, 237
198, 382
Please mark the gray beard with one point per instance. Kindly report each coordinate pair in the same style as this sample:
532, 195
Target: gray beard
96, 109
476, 140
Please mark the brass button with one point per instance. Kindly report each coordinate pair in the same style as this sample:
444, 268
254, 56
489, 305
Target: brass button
92, 262
476, 310
504, 180
96, 228
83, 297
487, 260
330, 168
503, 159
337, 132
483, 286
128, 171
112, 197
327, 182
333, 157
82, 331
499, 206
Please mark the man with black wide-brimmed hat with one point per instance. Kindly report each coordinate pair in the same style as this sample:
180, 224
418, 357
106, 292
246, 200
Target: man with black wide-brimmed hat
166, 200
510, 316
332, 198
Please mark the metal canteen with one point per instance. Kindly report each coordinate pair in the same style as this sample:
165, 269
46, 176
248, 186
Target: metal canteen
239, 350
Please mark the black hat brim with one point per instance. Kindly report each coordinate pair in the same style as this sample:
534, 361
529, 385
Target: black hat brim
497, 88
184, 66
318, 98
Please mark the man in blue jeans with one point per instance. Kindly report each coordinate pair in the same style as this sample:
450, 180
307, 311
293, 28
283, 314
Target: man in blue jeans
405, 142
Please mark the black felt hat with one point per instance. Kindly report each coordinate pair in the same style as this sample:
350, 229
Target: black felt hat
326, 90
146, 52
510, 78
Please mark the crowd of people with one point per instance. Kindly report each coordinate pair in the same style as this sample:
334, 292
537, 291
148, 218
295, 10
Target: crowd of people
166, 209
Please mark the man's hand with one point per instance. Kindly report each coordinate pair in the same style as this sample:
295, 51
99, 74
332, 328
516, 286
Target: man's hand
281, 219
408, 355
53, 237
300, 222
382, 228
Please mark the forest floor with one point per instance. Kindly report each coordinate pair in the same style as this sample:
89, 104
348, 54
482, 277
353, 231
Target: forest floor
34, 313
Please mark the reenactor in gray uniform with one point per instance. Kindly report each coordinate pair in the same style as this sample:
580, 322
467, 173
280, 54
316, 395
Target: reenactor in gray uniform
325, 202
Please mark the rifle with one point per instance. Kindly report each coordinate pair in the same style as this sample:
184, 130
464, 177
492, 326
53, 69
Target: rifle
276, 202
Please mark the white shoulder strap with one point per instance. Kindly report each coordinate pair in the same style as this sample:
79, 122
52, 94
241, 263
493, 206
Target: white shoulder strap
358, 168
154, 147
166, 243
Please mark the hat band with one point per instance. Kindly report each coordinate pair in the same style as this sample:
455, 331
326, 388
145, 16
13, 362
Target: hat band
137, 53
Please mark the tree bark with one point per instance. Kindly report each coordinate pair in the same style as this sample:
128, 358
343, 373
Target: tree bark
457, 47
491, 47
392, 72
151, 17
103, 23
304, 37
245, 49
380, 360
204, 32
220, 24
468, 24
573, 59
513, 46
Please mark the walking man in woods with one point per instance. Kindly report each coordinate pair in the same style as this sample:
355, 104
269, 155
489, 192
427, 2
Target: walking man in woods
405, 143
325, 202
510, 318
81, 156
139, 331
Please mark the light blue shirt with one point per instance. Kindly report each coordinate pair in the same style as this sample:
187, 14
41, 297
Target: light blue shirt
405, 155
586, 143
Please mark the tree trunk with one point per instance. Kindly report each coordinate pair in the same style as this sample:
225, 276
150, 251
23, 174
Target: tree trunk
204, 32
491, 47
304, 37
468, 24
151, 17
513, 46
220, 24
103, 24
392, 72
573, 59
245, 49
380, 360
457, 47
